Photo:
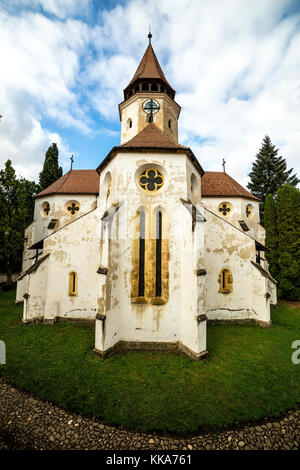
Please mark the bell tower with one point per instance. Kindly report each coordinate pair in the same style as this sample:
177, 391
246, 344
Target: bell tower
149, 98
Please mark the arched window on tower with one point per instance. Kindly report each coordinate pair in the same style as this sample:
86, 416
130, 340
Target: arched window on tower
170, 123
150, 118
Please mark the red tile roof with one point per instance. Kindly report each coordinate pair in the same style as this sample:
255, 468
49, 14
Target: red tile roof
149, 68
152, 136
218, 183
74, 182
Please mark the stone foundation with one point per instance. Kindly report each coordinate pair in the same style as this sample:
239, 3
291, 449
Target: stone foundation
242, 321
176, 347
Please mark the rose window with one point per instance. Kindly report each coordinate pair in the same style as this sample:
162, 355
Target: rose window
151, 179
224, 208
73, 208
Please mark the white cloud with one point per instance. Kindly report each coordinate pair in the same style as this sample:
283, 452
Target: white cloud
59, 8
235, 65
41, 58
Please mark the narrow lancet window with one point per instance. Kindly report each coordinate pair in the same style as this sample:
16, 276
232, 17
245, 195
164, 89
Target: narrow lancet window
158, 288
142, 255
73, 284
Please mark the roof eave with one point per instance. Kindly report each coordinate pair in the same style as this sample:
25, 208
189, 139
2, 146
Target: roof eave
253, 198
186, 150
65, 192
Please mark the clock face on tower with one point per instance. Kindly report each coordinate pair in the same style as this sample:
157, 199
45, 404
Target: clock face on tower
150, 106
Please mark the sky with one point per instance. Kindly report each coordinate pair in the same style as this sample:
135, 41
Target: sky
235, 66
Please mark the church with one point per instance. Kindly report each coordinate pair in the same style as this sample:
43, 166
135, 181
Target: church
149, 246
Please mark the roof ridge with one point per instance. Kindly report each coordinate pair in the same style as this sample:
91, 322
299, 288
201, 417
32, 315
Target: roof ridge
237, 185
154, 126
232, 183
168, 137
63, 182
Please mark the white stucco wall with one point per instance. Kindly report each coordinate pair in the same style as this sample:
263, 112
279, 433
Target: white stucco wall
58, 204
227, 247
238, 212
176, 320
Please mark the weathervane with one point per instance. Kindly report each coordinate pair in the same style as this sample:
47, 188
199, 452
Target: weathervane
72, 161
223, 165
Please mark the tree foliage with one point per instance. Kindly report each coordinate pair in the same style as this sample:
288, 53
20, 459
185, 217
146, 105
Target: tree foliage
271, 235
269, 173
51, 171
288, 222
16, 212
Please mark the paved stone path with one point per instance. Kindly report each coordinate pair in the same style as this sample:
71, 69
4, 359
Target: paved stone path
30, 423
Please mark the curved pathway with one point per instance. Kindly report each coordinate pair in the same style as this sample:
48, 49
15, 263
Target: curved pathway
30, 423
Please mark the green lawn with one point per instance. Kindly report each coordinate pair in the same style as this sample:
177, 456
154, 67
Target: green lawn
249, 373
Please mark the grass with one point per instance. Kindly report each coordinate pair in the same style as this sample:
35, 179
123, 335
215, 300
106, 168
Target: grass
249, 373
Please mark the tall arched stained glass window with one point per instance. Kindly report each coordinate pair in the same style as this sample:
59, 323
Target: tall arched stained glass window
142, 256
158, 288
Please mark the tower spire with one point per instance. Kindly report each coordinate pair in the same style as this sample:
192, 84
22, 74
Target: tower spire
149, 35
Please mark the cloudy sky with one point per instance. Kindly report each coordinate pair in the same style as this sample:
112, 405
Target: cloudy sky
234, 63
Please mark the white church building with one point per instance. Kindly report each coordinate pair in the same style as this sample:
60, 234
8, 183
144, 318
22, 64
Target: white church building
149, 246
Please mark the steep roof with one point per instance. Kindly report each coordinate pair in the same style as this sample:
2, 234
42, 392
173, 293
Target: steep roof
219, 183
74, 182
152, 136
149, 67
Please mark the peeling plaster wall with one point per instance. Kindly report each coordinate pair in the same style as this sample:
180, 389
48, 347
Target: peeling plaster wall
238, 212
76, 247
226, 247
73, 248
36, 287
58, 211
26, 262
176, 320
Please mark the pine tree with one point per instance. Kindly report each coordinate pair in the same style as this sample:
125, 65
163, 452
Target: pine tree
288, 222
269, 173
271, 235
51, 171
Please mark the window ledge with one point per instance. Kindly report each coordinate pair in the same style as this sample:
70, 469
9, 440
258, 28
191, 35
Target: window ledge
138, 300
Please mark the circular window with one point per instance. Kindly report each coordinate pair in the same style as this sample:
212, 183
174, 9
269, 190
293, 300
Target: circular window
224, 209
151, 179
150, 106
45, 209
73, 207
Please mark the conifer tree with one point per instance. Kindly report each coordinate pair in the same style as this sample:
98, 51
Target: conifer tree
16, 212
271, 235
51, 171
288, 222
269, 173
